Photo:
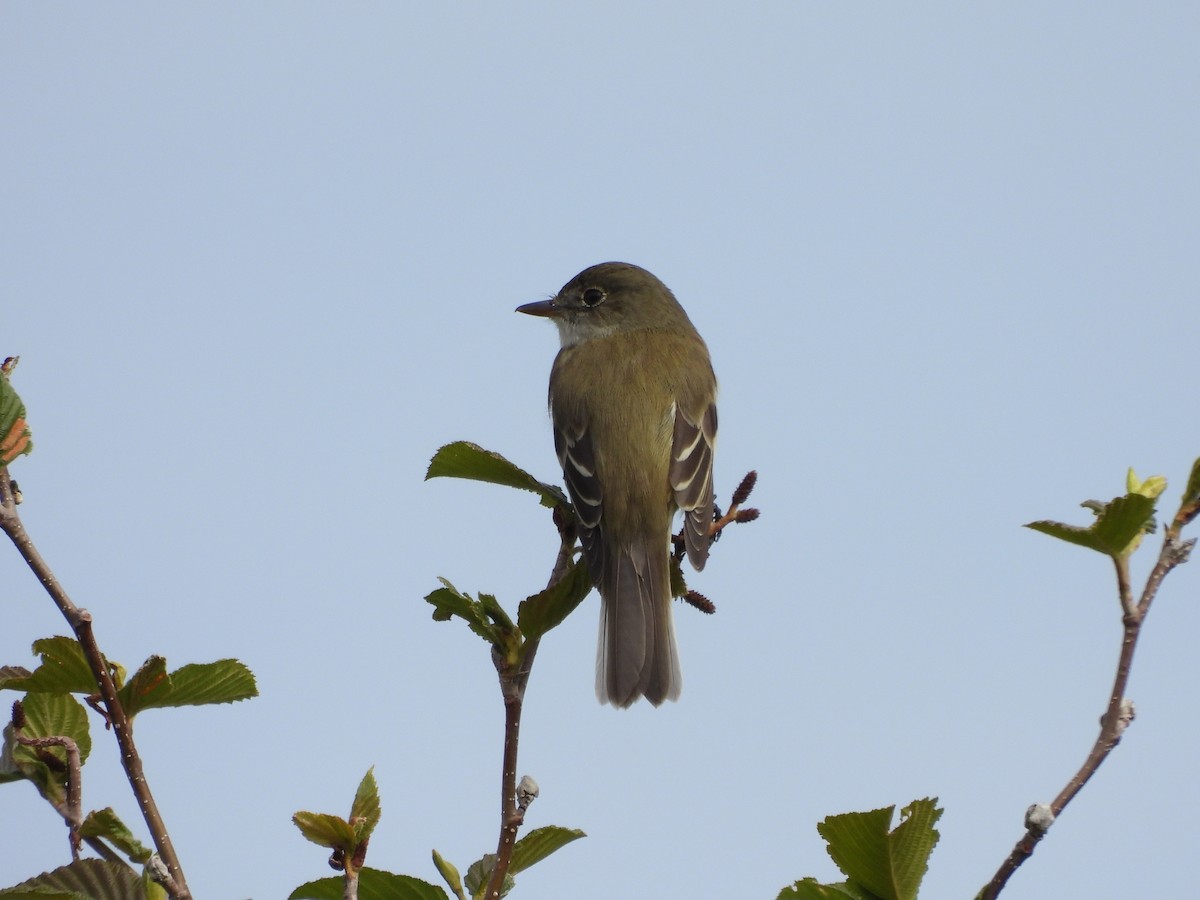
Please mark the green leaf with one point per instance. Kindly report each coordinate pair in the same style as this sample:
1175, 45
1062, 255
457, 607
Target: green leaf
365, 810
326, 830
810, 889
889, 865
449, 601
678, 583
1152, 487
104, 823
373, 884
15, 437
46, 715
449, 872
87, 879
196, 684
1117, 530
223, 681
463, 459
480, 873
63, 668
491, 606
546, 609
154, 890
149, 686
1191, 493
539, 844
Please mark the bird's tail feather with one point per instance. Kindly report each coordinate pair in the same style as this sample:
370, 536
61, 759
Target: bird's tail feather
637, 656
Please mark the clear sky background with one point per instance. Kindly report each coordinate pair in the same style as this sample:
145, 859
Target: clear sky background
260, 260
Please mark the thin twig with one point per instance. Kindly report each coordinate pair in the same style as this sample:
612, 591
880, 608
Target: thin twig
72, 807
1117, 715
513, 680
80, 621
721, 521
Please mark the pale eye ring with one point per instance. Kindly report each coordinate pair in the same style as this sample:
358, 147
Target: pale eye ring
593, 297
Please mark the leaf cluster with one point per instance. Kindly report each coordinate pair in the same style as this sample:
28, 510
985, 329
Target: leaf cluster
348, 839
536, 614
879, 864
1120, 523
49, 709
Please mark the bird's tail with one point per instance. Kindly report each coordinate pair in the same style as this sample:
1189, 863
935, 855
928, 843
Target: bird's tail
636, 656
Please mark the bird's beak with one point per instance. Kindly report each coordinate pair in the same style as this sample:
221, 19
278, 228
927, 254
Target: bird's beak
540, 308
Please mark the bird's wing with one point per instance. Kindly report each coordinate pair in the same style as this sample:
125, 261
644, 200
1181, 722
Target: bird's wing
691, 476
573, 444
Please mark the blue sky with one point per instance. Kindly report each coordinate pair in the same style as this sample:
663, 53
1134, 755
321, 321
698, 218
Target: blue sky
261, 260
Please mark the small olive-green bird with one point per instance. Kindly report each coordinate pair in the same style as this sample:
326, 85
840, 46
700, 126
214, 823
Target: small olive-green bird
633, 404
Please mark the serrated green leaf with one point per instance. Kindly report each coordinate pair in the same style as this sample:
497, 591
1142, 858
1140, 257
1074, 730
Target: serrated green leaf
913, 841
448, 602
63, 668
463, 459
857, 842
1116, 532
222, 681
86, 879
365, 810
547, 609
105, 824
810, 889
373, 884
889, 865
449, 872
326, 830
196, 684
540, 843
15, 437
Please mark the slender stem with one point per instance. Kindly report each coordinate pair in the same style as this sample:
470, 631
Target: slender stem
514, 677
72, 808
1124, 591
80, 621
1118, 713
510, 818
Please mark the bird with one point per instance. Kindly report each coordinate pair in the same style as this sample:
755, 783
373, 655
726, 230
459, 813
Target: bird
633, 407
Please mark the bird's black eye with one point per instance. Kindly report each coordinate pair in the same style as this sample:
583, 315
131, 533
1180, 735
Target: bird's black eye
593, 297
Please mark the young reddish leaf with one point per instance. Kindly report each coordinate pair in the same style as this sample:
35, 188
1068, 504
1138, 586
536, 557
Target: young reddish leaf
15, 437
